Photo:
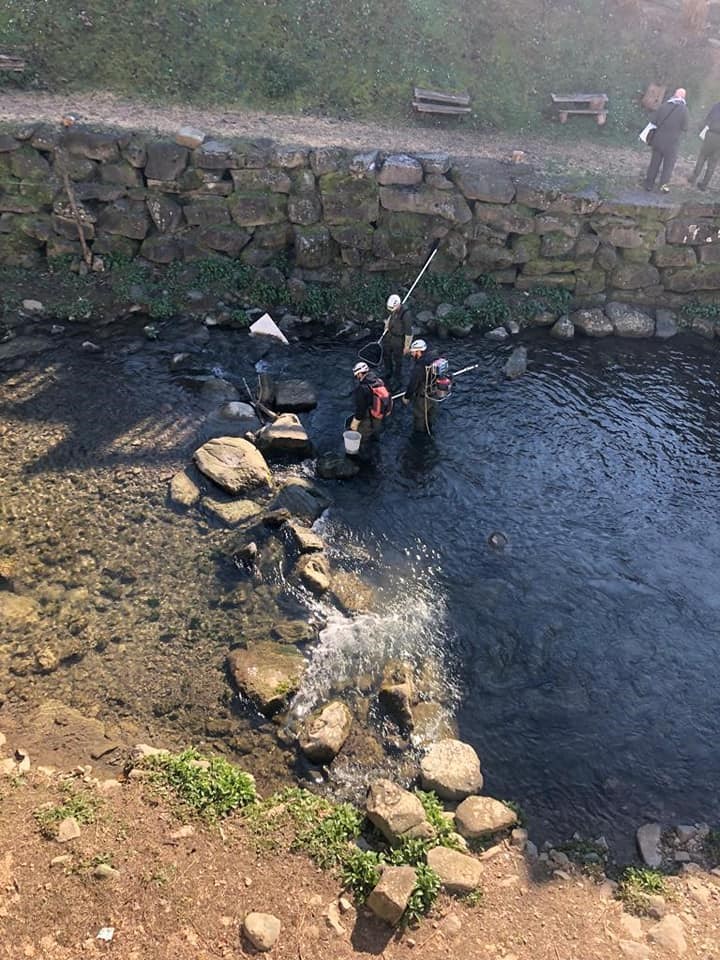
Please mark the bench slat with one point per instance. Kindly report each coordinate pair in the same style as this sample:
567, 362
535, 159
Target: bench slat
578, 97
439, 108
458, 99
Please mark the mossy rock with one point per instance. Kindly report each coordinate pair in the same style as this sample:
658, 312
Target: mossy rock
257, 209
349, 199
18, 250
268, 673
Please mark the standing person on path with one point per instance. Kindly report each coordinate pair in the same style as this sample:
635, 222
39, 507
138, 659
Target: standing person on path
372, 403
398, 330
709, 150
671, 122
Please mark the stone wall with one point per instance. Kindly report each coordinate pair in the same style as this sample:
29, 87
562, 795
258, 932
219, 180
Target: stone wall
329, 208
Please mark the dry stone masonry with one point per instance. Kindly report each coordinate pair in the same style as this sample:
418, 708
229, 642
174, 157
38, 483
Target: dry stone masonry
332, 210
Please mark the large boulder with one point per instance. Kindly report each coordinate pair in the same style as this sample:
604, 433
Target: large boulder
629, 321
391, 895
234, 464
593, 323
479, 817
268, 673
459, 873
285, 435
324, 733
396, 813
452, 769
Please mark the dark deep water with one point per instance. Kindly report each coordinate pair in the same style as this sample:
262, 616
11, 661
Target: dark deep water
587, 651
583, 656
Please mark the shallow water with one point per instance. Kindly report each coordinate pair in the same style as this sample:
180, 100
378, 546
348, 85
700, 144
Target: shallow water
581, 657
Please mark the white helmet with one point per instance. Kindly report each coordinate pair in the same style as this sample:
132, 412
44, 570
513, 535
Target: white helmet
393, 302
418, 345
359, 368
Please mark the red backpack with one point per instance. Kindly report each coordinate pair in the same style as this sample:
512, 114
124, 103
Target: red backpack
381, 402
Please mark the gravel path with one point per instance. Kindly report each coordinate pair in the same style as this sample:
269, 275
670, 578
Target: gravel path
565, 151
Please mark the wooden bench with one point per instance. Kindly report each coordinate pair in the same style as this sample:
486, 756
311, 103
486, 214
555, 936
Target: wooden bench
434, 101
589, 103
11, 63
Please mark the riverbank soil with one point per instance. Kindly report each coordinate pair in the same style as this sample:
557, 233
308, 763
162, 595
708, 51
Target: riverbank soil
170, 887
576, 150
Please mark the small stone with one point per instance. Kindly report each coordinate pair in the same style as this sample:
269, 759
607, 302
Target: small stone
681, 856
63, 860
56, 329
656, 906
182, 833
103, 871
698, 892
685, 833
631, 927
32, 306
89, 347
332, 915
68, 829
634, 951
561, 875
531, 850
190, 137
498, 333
345, 905
669, 934
3, 739
105, 787
262, 930
691, 868
23, 761
519, 837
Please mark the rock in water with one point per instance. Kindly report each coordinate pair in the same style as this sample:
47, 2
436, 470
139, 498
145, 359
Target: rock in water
232, 513
233, 463
295, 396
517, 364
665, 324
397, 692
183, 490
564, 329
629, 321
452, 769
323, 735
593, 323
313, 570
648, 841
396, 813
267, 673
390, 897
285, 435
306, 540
482, 816
336, 466
302, 500
262, 930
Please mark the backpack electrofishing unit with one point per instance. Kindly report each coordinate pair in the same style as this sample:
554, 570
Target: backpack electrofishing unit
438, 382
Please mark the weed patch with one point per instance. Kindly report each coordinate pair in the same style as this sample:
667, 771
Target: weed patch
78, 804
211, 789
637, 885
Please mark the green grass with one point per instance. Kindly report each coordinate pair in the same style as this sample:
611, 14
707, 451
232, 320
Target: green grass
210, 793
636, 885
342, 58
712, 847
78, 804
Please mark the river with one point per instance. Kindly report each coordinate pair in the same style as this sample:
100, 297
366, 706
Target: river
580, 659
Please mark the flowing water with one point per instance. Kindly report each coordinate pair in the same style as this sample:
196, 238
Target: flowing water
580, 658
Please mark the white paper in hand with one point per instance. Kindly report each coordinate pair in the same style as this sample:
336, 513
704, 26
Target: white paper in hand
703, 133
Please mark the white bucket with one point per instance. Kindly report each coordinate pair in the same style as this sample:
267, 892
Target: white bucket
352, 441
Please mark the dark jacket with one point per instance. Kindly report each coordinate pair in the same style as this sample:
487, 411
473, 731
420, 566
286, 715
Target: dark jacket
400, 322
418, 376
363, 396
712, 120
671, 120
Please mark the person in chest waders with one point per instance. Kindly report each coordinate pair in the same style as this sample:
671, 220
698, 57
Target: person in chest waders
398, 335
372, 404
429, 383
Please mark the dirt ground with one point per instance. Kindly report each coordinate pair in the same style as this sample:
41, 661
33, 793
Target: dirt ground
182, 889
565, 150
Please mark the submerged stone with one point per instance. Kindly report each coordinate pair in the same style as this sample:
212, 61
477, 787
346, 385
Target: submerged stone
268, 673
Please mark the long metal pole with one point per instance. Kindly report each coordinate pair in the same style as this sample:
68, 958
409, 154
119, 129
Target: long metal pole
474, 366
417, 281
